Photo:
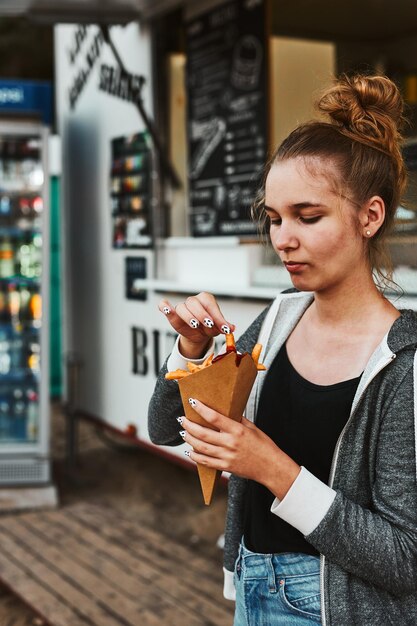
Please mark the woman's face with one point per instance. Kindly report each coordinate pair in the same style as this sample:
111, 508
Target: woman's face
313, 230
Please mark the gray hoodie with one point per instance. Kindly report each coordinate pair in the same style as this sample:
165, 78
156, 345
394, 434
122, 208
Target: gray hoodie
364, 523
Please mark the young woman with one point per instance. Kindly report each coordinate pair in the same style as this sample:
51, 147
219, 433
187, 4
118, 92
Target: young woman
322, 515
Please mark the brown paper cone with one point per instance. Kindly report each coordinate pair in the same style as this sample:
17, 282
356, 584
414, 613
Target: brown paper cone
224, 387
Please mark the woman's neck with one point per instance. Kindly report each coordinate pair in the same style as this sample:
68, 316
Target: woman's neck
356, 301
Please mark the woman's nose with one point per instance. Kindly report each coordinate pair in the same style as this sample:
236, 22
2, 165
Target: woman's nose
284, 237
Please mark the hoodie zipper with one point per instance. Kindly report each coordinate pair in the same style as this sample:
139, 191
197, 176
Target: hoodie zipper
333, 471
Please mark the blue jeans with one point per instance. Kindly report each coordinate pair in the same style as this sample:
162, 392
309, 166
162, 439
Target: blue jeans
277, 589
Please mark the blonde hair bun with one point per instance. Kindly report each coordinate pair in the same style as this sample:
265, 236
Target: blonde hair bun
367, 108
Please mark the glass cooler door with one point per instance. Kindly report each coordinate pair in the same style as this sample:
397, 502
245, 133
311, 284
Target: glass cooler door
23, 271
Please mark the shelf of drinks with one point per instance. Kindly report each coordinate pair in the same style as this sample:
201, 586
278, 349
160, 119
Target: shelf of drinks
16, 191
20, 281
16, 157
19, 232
21, 190
19, 418
18, 148
17, 436
19, 376
27, 327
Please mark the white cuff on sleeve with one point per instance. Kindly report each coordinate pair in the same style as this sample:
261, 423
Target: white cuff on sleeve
229, 591
177, 361
306, 502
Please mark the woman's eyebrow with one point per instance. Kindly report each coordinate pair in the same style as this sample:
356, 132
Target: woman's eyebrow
305, 205
297, 206
268, 208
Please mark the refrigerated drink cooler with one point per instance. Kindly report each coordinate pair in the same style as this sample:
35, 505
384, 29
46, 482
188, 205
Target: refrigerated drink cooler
24, 282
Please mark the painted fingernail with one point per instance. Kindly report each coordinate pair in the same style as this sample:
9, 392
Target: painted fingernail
187, 452
180, 420
192, 402
183, 433
225, 329
208, 322
194, 323
166, 310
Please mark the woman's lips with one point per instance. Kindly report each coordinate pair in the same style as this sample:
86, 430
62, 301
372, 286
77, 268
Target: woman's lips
294, 267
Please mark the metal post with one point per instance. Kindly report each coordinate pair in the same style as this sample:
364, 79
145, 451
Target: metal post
73, 364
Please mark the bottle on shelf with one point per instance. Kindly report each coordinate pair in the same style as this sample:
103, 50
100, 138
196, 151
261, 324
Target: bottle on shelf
29, 256
35, 306
33, 361
4, 415
25, 296
16, 353
19, 414
37, 204
24, 260
32, 424
35, 246
4, 305
5, 361
14, 305
5, 205
6, 258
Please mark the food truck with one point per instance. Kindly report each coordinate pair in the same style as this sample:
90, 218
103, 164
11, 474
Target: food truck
158, 205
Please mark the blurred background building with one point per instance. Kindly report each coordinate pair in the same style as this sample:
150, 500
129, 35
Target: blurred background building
162, 115
133, 135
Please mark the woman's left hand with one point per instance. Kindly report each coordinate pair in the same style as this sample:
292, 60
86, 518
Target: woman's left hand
239, 448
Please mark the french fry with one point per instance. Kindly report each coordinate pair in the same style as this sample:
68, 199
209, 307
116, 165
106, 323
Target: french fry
192, 368
230, 342
176, 374
208, 361
256, 353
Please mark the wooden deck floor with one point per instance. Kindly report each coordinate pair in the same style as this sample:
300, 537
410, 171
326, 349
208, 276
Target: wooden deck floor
85, 565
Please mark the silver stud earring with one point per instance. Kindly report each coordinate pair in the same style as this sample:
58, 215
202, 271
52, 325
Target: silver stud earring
368, 232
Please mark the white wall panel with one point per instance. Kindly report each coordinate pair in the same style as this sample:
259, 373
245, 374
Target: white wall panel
98, 318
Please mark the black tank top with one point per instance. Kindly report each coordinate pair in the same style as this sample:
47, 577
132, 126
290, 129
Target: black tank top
305, 420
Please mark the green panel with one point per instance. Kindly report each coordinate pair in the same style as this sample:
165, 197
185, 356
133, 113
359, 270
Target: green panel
55, 293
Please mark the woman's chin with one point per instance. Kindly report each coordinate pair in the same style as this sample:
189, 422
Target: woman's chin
301, 284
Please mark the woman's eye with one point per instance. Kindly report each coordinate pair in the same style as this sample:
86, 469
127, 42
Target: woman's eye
304, 220
310, 220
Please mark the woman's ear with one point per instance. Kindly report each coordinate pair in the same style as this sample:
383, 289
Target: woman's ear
372, 215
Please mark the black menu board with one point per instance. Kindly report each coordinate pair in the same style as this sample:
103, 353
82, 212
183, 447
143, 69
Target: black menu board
131, 171
227, 84
135, 268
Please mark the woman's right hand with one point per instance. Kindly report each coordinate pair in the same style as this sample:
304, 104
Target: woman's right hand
197, 320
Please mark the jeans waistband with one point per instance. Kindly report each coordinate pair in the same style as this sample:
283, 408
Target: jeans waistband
275, 566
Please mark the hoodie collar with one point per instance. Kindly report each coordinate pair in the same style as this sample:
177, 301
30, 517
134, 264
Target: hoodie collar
401, 335
403, 332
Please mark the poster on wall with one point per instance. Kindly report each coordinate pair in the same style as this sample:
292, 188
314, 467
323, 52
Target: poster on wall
131, 192
227, 89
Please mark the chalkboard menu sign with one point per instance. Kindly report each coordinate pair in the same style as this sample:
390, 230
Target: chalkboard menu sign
131, 191
227, 115
135, 267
